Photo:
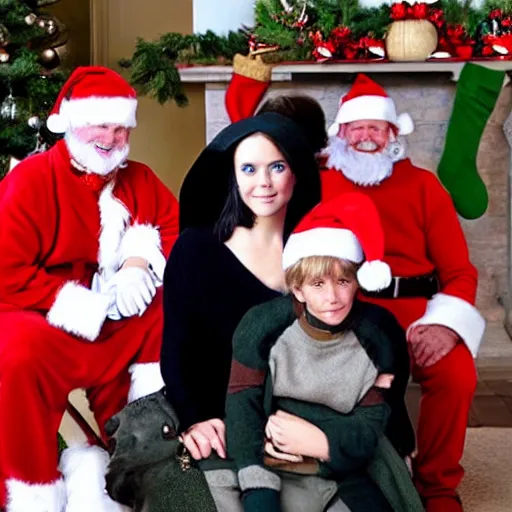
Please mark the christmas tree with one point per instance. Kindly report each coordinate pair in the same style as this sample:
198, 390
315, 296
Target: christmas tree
31, 41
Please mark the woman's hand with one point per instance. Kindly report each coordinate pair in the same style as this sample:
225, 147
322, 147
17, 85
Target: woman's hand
201, 438
295, 436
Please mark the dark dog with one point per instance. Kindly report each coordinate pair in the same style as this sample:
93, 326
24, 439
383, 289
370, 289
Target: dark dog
149, 469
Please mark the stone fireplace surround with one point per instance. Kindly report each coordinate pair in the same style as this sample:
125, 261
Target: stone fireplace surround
428, 98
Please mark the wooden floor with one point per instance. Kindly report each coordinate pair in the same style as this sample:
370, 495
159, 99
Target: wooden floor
492, 404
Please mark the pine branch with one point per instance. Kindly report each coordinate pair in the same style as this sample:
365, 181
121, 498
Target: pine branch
153, 65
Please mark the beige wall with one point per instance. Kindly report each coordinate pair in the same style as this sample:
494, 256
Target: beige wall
167, 138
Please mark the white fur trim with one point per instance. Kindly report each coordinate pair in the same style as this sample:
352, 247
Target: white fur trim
457, 314
405, 124
25, 497
84, 468
372, 107
94, 111
374, 275
79, 311
143, 240
333, 130
146, 379
339, 243
114, 217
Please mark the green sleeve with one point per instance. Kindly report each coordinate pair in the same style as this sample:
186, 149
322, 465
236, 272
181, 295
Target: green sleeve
246, 415
353, 438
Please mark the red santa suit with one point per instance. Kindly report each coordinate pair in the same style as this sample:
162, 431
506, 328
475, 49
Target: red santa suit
423, 238
61, 226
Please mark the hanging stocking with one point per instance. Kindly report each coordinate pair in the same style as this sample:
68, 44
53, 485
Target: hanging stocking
251, 79
478, 89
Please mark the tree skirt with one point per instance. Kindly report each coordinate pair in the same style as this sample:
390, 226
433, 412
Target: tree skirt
487, 486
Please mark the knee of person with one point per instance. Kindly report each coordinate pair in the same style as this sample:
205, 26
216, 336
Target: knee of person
21, 349
459, 377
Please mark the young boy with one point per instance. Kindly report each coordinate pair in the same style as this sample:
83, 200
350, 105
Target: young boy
316, 375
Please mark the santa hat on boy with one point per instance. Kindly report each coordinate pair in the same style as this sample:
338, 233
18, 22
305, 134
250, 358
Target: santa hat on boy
368, 100
93, 95
346, 227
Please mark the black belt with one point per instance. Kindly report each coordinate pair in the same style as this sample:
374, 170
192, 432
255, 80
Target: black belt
425, 286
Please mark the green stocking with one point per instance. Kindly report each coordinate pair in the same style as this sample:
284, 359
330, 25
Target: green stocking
478, 89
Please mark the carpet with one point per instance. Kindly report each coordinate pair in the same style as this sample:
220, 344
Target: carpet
487, 485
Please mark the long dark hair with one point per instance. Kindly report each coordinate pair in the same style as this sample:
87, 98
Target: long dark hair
209, 195
303, 110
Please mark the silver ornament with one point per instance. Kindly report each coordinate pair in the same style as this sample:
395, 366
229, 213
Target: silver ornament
9, 108
34, 122
4, 35
30, 19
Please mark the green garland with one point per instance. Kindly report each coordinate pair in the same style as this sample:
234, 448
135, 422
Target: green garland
154, 65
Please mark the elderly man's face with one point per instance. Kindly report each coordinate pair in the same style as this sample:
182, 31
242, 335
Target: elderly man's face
367, 136
99, 148
105, 138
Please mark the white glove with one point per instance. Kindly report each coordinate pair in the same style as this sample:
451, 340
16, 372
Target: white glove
99, 285
134, 290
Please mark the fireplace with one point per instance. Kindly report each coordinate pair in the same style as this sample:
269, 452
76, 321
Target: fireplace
428, 97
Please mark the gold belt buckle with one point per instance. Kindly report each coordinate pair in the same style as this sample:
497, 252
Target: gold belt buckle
396, 288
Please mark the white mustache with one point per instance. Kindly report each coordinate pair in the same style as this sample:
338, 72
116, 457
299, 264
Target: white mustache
367, 145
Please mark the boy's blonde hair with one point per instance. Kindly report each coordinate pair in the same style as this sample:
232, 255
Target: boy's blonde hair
316, 267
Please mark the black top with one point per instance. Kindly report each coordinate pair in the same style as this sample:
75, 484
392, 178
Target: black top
207, 291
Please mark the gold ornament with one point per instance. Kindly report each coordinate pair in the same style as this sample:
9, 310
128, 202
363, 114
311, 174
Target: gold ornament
49, 58
411, 40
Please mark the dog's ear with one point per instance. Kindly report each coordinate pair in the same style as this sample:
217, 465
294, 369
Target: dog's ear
112, 425
122, 487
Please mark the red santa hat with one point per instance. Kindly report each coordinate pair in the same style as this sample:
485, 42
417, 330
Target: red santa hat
346, 227
93, 95
368, 100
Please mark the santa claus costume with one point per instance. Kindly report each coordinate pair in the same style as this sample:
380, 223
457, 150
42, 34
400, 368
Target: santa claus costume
62, 227
434, 282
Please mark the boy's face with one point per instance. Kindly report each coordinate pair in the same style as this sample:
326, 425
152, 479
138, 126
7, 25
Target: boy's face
329, 299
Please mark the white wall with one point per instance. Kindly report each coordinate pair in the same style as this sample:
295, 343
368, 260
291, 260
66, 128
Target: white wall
222, 16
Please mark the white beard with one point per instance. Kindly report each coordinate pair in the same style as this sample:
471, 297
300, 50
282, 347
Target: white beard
362, 168
86, 156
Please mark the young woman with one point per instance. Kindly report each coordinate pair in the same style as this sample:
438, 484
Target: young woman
240, 200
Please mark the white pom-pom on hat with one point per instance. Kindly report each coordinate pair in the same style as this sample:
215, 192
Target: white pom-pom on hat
374, 275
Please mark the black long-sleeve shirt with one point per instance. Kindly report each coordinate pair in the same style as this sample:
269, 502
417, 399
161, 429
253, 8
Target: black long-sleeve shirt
207, 291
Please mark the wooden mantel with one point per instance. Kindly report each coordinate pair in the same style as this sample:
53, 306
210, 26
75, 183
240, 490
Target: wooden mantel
288, 72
